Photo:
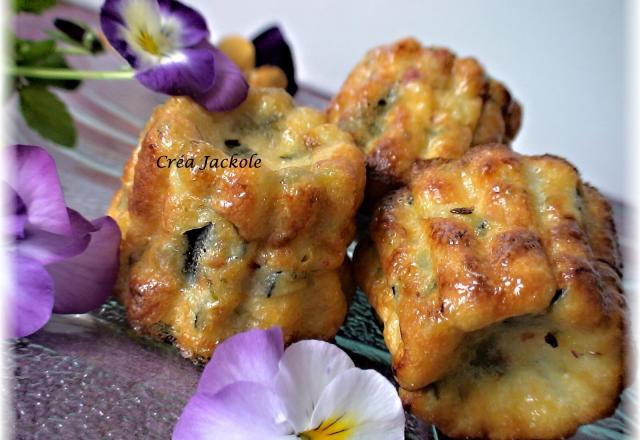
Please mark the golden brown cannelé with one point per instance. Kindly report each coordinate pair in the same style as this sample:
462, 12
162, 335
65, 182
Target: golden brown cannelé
498, 279
207, 253
404, 102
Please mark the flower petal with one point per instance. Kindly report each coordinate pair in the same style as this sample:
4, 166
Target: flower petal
190, 73
192, 26
17, 210
229, 89
48, 248
36, 182
365, 400
141, 15
249, 356
240, 411
85, 281
272, 49
114, 26
31, 300
306, 368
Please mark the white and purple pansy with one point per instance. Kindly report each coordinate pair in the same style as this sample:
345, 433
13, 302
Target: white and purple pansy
167, 43
255, 389
63, 263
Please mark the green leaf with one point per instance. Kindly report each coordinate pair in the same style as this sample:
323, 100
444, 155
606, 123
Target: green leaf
29, 51
46, 114
56, 61
33, 6
42, 53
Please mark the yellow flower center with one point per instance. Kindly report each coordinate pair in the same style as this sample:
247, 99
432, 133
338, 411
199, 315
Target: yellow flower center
147, 43
340, 428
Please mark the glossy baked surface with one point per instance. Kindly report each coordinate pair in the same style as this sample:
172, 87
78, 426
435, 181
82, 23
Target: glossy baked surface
404, 102
210, 252
498, 279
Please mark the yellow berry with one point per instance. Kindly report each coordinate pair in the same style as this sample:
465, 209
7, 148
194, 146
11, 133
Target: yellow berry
268, 76
240, 50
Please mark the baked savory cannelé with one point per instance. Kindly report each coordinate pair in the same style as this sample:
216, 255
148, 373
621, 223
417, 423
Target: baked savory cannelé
404, 102
207, 253
498, 279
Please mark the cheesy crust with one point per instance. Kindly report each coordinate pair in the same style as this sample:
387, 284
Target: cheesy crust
209, 253
405, 102
498, 279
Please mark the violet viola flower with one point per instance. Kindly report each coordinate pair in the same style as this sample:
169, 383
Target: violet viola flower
272, 49
62, 263
166, 42
254, 389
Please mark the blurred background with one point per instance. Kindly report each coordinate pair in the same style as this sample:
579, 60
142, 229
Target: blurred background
563, 60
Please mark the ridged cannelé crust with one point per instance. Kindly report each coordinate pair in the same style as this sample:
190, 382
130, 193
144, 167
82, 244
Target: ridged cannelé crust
404, 102
498, 279
209, 253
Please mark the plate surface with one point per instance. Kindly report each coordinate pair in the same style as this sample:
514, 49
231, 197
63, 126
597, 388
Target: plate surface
91, 374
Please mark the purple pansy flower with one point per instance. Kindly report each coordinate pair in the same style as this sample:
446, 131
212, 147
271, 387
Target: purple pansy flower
62, 262
255, 389
272, 49
167, 43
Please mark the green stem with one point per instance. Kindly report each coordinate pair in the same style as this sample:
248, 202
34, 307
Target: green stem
45, 73
73, 51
